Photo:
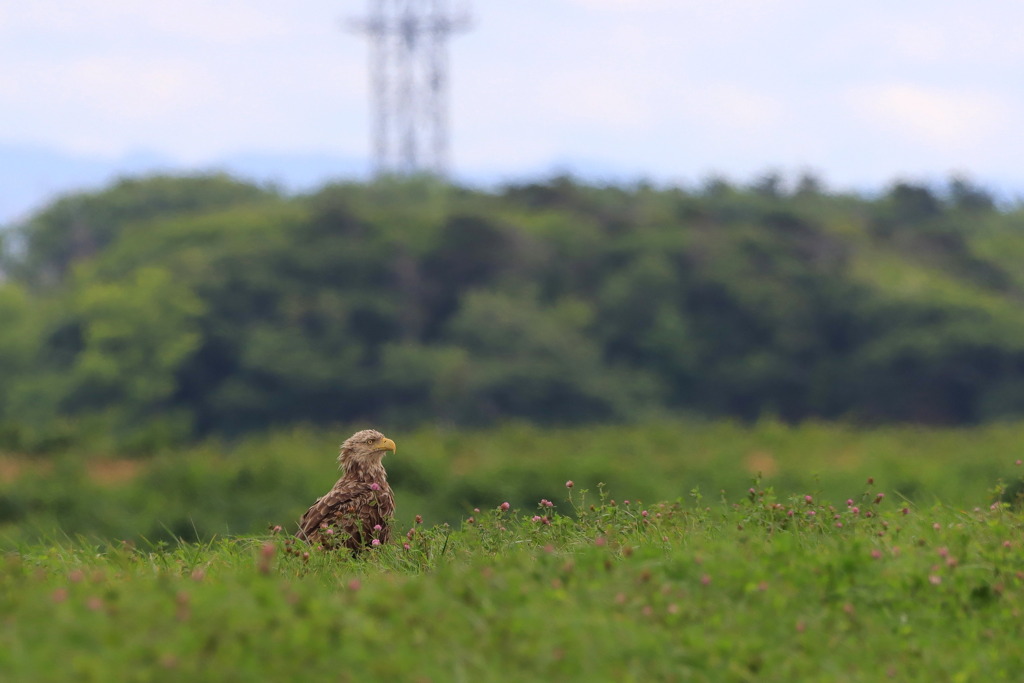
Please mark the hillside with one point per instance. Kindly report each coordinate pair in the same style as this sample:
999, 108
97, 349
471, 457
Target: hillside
162, 309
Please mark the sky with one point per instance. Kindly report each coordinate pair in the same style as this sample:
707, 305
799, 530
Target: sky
859, 93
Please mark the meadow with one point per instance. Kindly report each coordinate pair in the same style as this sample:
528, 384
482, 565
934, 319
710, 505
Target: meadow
759, 587
704, 551
219, 488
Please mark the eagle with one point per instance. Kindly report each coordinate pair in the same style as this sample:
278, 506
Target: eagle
357, 511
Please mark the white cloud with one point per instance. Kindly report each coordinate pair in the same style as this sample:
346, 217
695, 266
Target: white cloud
734, 108
226, 21
624, 4
608, 98
931, 116
700, 6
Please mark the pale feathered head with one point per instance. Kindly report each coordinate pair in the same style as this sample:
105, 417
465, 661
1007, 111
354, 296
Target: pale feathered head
365, 447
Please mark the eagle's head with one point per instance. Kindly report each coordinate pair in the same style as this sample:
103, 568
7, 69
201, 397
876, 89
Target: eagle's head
366, 447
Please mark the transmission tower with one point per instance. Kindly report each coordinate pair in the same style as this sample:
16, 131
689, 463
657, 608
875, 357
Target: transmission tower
409, 82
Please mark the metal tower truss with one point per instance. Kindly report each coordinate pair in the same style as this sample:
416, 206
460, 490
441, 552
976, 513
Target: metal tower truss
409, 82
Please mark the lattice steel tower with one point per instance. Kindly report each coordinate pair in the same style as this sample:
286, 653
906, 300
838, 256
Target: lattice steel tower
409, 82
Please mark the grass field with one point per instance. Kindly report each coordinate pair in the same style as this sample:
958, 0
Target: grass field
859, 555
756, 587
217, 489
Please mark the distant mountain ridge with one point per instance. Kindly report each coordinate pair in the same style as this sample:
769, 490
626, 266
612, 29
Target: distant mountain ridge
31, 176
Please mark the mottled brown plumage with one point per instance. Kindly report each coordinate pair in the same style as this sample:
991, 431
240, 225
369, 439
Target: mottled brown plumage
349, 514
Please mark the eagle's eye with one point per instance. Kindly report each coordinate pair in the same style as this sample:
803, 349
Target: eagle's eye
370, 440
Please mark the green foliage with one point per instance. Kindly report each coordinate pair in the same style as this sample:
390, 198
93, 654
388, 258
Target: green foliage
767, 586
77, 227
167, 309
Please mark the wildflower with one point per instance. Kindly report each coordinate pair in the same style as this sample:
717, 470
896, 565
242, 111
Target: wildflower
705, 580
871, 480
59, 595
419, 519
643, 513
936, 526
354, 585
476, 509
839, 525
375, 542
789, 513
329, 532
375, 486
1007, 544
504, 506
855, 510
849, 502
406, 546
602, 541
182, 601
879, 497
935, 579
811, 513
377, 527
266, 555
276, 529
876, 554
546, 503
535, 518
569, 484
1017, 463
808, 499
943, 552
906, 511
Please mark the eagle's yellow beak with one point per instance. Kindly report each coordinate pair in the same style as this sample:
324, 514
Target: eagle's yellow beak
386, 444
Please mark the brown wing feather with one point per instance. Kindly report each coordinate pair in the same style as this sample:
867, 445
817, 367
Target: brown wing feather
350, 510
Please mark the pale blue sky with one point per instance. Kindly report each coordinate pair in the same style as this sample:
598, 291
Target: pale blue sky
860, 92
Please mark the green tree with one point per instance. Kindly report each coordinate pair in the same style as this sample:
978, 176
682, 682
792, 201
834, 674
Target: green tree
136, 335
531, 361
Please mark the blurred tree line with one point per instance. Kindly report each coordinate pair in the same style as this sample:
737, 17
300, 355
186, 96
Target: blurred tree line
167, 308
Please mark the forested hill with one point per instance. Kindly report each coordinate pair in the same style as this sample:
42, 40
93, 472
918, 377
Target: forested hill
165, 308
